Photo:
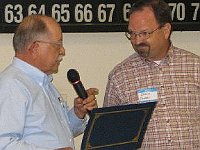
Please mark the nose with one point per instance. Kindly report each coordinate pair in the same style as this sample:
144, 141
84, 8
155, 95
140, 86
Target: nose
62, 51
137, 39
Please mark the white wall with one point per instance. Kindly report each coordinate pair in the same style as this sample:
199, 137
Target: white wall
94, 55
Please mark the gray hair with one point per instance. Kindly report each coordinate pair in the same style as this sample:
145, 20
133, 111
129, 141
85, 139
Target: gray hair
30, 29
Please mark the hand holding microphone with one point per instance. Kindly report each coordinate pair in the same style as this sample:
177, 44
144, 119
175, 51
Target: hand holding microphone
86, 100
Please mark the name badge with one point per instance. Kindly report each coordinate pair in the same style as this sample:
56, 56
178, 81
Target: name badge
147, 95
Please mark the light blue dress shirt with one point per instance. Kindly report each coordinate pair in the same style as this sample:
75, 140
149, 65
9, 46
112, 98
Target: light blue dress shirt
33, 115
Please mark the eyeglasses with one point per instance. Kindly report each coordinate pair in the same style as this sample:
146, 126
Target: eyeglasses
144, 35
59, 44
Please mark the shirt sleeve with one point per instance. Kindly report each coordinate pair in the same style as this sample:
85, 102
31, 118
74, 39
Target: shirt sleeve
13, 103
77, 125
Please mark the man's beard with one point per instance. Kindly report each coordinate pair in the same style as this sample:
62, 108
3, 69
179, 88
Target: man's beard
142, 49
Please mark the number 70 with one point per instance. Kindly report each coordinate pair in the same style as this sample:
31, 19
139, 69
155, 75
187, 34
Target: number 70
180, 10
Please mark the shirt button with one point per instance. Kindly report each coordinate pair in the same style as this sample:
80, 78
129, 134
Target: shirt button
169, 140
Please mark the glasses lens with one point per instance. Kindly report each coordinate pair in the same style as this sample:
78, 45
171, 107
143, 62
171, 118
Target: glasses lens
144, 35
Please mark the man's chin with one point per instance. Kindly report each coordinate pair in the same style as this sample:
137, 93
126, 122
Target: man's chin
55, 71
143, 54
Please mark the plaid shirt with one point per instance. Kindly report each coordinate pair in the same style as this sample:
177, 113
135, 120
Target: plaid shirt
175, 122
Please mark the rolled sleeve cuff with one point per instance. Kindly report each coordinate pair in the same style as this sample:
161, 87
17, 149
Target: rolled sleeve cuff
77, 125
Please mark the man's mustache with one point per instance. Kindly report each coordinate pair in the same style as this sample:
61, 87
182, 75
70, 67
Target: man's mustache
141, 45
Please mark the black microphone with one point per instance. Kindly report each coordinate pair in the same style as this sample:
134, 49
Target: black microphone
74, 79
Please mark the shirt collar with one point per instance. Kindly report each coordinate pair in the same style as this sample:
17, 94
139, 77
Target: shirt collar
34, 73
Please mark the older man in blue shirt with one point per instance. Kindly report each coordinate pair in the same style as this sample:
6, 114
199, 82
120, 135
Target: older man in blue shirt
33, 115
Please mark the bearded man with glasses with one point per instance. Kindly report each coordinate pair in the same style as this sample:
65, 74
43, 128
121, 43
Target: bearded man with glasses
173, 73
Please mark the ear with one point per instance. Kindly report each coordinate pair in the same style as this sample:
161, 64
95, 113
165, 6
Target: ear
33, 49
167, 30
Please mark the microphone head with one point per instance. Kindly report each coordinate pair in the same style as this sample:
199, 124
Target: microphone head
73, 75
